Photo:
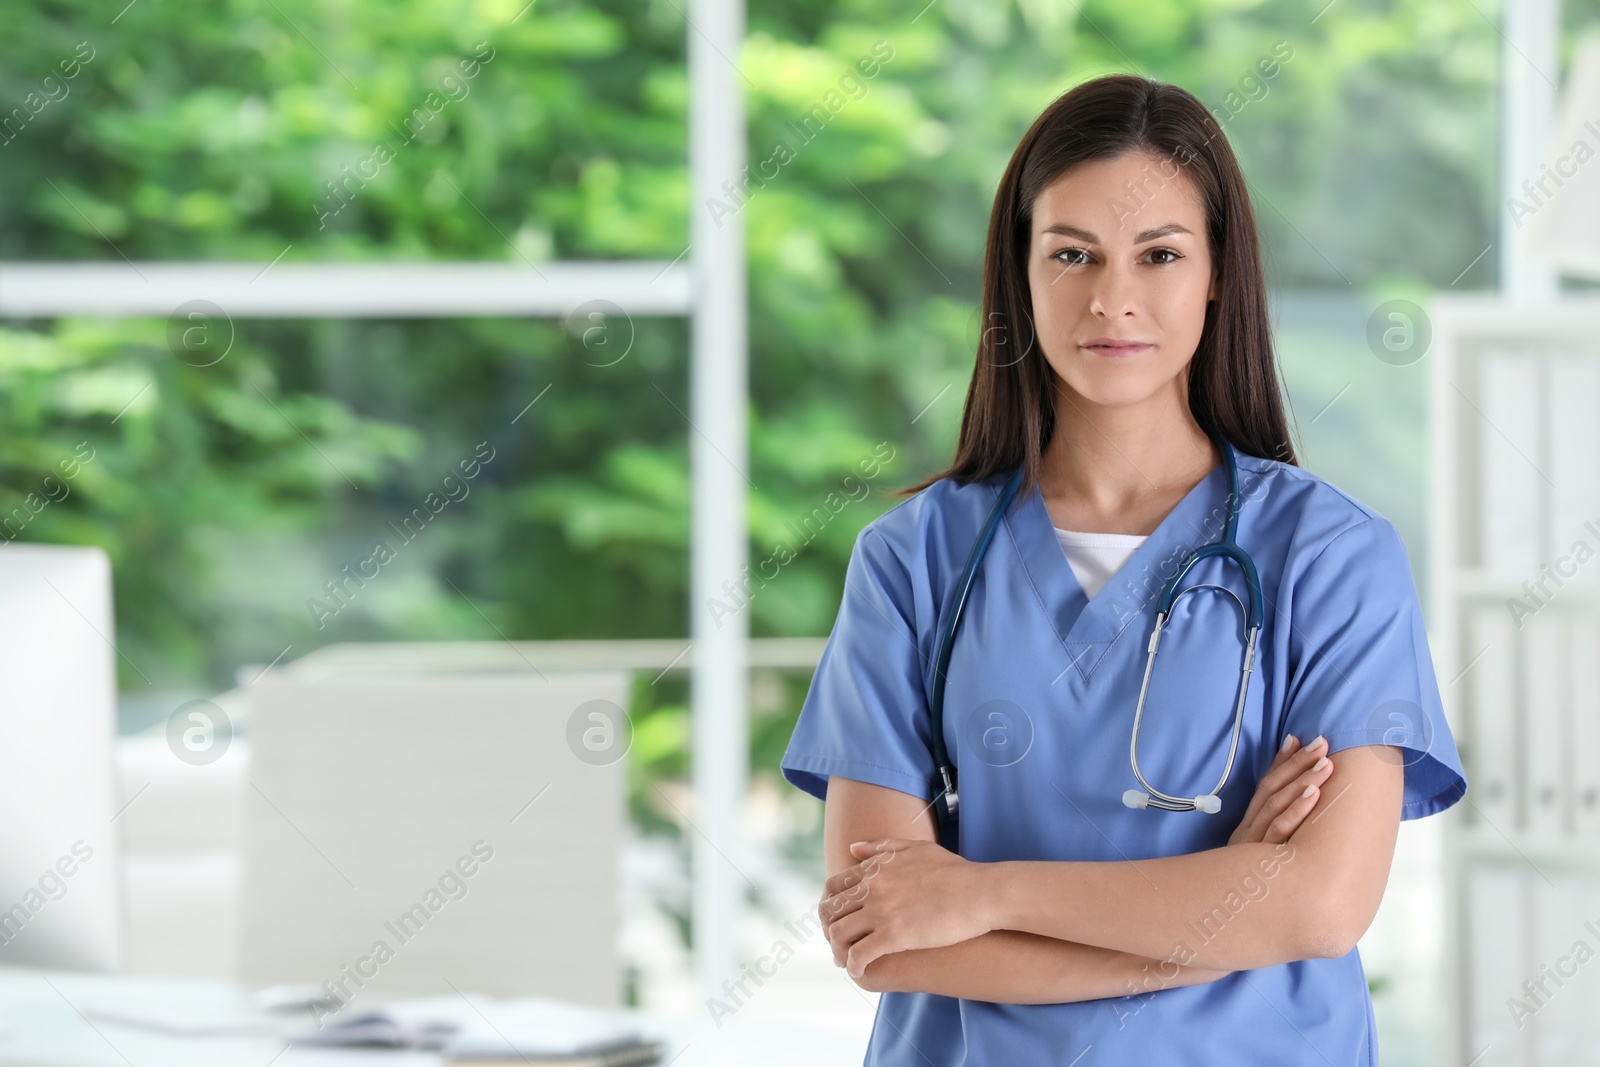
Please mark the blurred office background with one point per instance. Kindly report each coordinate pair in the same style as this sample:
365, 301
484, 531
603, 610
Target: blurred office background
236, 460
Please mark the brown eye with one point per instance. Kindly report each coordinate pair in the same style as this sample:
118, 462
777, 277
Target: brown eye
1070, 252
1165, 252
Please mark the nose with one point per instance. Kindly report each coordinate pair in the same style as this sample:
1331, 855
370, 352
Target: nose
1113, 292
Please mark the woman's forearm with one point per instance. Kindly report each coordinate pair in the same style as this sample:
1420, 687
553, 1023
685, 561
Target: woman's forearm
1238, 907
1180, 908
1013, 967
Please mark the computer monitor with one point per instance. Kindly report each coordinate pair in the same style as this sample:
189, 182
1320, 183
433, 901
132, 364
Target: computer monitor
60, 905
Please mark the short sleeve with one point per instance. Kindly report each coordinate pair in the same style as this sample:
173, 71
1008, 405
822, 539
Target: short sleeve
865, 715
1360, 671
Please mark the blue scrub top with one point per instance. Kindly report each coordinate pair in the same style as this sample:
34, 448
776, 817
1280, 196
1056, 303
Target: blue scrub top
1038, 710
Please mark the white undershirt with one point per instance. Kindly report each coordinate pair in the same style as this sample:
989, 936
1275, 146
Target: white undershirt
1095, 557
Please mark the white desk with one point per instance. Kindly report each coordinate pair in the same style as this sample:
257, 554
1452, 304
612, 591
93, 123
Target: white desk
45, 1026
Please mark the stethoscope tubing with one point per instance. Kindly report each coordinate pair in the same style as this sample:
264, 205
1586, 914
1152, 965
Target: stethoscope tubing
946, 801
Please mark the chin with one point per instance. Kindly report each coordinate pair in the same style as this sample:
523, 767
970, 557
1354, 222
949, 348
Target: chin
1115, 388
1103, 400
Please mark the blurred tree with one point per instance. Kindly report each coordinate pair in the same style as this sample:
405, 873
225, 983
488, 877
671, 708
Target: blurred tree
499, 130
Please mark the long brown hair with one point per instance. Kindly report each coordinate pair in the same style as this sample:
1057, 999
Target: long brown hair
1233, 381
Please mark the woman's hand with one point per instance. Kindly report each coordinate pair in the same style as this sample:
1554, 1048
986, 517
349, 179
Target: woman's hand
903, 895
1286, 794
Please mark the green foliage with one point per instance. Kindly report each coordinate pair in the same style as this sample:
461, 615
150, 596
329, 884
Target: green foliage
172, 455
229, 495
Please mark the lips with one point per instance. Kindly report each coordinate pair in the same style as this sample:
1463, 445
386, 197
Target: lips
1106, 346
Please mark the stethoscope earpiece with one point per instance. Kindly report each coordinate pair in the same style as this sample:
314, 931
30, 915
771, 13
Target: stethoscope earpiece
1209, 803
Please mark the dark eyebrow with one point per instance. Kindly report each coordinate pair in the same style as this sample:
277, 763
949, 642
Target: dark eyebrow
1139, 238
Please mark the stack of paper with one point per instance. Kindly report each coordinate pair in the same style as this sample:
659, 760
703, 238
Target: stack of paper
483, 1031
424, 1022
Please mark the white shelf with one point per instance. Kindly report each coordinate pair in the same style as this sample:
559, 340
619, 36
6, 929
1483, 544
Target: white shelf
1516, 862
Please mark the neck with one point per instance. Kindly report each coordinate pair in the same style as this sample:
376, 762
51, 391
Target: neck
1112, 461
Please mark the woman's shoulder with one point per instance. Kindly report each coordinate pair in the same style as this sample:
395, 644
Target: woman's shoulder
1310, 509
936, 520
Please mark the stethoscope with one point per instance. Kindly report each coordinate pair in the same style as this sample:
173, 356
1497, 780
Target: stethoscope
947, 801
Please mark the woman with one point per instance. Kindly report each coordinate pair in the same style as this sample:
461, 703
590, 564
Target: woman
1126, 359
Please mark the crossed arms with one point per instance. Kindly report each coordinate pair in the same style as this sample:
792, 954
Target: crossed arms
903, 914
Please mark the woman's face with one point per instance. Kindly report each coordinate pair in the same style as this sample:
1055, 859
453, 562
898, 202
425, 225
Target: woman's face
1118, 254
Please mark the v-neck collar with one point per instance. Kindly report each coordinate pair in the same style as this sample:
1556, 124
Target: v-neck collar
1085, 626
